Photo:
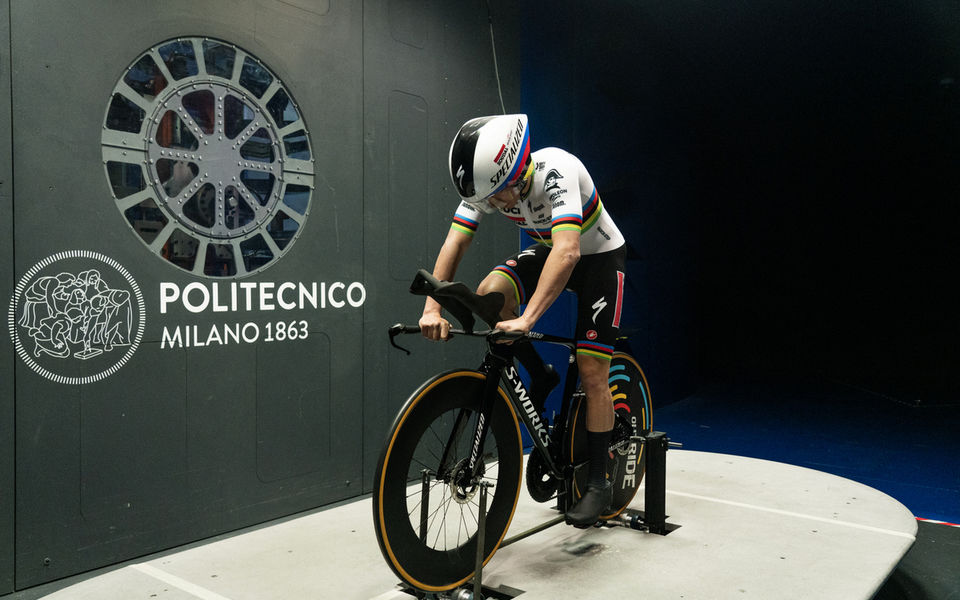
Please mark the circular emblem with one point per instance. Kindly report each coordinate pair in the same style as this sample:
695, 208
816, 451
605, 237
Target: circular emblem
511, 263
208, 157
592, 335
76, 317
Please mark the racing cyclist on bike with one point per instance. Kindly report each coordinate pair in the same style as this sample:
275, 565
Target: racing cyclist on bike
550, 195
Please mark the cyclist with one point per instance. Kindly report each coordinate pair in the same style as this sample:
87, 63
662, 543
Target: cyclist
551, 196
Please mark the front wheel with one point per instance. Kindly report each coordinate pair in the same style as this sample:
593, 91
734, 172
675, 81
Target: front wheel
425, 503
633, 417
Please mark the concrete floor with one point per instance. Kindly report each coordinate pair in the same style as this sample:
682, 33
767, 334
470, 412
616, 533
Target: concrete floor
748, 528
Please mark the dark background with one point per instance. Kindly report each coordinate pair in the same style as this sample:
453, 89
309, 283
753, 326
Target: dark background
786, 174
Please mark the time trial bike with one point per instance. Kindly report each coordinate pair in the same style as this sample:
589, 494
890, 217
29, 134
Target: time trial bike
455, 449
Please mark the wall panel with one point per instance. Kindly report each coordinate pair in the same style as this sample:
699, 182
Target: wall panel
7, 358
428, 67
239, 398
197, 433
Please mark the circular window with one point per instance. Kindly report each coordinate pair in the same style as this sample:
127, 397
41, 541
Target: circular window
208, 157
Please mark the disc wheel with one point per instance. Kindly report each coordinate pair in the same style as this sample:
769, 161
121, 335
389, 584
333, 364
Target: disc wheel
633, 416
434, 548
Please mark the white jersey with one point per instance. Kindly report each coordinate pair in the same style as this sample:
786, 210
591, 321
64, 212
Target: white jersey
561, 197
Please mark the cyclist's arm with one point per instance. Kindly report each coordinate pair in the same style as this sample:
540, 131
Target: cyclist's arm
563, 257
432, 323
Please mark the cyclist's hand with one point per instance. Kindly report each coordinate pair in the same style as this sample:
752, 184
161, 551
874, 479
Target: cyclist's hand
518, 325
434, 327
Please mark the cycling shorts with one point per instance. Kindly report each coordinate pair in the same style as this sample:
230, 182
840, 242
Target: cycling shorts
598, 282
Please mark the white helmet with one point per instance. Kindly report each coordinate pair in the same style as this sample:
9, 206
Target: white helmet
487, 155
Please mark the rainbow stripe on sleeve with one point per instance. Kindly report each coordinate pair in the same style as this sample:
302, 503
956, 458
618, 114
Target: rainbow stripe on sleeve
592, 210
568, 222
464, 225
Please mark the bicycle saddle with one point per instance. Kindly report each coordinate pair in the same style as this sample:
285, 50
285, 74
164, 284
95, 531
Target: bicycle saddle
457, 299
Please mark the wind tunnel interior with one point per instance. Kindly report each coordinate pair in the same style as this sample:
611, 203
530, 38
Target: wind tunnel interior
785, 177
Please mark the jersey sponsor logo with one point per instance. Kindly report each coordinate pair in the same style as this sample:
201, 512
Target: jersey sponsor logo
551, 181
592, 334
511, 263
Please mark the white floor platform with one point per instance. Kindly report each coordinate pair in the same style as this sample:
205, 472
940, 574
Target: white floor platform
748, 529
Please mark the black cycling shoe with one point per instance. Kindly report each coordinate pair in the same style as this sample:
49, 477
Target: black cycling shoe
587, 511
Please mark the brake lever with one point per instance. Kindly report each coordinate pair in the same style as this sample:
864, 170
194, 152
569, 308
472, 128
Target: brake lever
398, 329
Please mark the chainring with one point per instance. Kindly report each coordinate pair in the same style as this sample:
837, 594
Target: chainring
541, 484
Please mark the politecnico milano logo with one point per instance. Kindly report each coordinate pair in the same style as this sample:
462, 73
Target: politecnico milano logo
76, 317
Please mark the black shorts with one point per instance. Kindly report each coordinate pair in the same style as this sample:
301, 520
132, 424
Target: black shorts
597, 280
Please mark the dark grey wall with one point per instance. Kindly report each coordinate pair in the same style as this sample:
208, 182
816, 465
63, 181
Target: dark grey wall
6, 287
185, 443
428, 68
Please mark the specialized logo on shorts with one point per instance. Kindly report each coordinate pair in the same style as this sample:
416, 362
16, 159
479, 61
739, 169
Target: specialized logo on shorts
76, 317
551, 180
599, 305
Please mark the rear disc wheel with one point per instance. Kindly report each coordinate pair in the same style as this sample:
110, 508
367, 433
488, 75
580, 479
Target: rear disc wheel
633, 416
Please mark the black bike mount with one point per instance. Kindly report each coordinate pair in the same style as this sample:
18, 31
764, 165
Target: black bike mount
651, 520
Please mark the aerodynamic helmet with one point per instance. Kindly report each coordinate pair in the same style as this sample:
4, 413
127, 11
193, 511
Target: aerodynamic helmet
487, 155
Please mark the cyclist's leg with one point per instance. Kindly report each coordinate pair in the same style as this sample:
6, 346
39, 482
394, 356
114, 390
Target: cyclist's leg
594, 378
598, 281
494, 282
516, 278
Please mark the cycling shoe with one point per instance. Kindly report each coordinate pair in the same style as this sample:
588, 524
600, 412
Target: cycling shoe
587, 511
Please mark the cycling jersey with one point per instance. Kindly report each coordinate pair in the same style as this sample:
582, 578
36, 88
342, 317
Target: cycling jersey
561, 197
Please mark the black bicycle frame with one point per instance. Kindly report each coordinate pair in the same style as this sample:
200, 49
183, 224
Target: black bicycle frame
498, 366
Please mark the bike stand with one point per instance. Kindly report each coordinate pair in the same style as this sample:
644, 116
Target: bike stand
651, 520
477, 591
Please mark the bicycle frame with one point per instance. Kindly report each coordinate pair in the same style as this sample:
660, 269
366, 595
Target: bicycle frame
498, 366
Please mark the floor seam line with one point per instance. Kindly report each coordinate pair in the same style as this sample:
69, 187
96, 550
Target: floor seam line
177, 582
795, 514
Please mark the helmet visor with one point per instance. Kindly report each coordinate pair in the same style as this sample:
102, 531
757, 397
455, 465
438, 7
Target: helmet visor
483, 205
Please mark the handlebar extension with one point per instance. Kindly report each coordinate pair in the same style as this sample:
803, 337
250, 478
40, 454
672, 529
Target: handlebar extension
494, 335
